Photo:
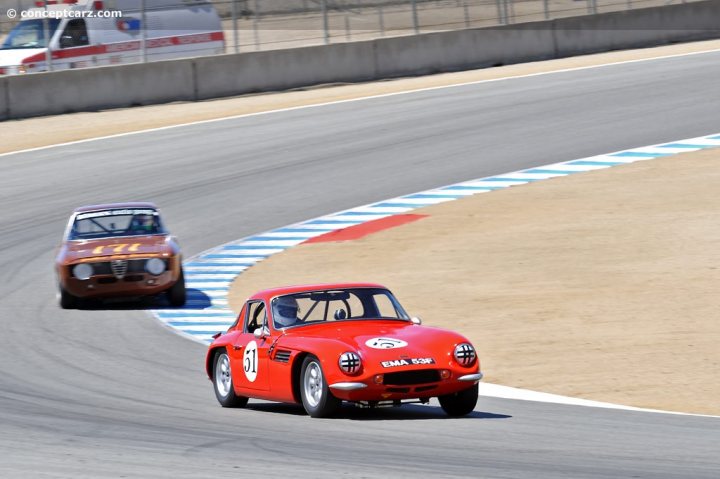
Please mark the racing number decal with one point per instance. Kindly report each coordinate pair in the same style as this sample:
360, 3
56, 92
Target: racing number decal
250, 359
117, 248
385, 343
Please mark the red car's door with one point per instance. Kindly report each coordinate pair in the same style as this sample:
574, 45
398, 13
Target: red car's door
249, 355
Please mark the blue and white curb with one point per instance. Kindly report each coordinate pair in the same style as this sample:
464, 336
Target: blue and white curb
209, 275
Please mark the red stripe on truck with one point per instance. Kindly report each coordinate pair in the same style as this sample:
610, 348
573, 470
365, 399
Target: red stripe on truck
129, 46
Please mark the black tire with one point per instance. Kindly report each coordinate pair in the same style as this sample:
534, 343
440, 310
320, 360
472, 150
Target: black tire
222, 382
177, 294
316, 397
461, 403
67, 300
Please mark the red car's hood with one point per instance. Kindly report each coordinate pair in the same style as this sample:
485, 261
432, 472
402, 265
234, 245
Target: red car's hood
382, 340
106, 247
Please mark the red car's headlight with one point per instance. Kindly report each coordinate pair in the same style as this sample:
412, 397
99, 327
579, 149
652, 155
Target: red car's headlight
465, 354
350, 363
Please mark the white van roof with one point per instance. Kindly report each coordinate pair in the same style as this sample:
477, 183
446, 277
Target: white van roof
122, 5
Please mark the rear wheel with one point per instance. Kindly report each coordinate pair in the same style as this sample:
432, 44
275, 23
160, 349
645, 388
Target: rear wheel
223, 385
176, 294
316, 397
460, 403
67, 300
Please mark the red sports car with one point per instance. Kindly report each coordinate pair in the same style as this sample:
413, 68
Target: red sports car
320, 345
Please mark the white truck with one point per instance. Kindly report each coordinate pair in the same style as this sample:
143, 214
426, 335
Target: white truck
65, 34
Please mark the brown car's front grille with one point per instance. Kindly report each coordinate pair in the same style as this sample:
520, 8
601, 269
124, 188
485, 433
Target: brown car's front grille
406, 378
105, 268
136, 266
101, 268
119, 267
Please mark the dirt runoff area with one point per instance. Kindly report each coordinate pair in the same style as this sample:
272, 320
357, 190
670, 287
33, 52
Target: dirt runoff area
599, 285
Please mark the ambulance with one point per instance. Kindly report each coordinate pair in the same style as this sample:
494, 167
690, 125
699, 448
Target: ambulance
64, 34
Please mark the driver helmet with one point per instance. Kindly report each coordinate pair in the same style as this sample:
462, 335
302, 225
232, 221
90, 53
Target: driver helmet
286, 309
145, 223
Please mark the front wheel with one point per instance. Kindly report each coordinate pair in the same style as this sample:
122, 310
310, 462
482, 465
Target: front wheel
223, 385
67, 300
177, 294
316, 397
460, 403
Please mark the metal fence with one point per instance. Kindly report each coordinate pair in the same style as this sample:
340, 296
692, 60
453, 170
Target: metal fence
253, 25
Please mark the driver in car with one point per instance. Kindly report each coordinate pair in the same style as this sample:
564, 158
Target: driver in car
285, 310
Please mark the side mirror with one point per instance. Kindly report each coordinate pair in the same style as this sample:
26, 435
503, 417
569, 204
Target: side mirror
66, 41
416, 320
260, 333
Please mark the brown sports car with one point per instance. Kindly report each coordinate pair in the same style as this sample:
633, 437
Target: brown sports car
119, 249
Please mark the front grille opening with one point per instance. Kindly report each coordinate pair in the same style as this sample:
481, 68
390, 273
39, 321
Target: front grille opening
134, 278
406, 378
107, 280
137, 266
424, 388
119, 267
398, 390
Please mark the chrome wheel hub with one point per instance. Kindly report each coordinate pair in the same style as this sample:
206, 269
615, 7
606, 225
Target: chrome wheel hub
313, 384
223, 381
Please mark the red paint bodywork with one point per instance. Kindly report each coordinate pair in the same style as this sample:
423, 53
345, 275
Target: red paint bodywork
278, 379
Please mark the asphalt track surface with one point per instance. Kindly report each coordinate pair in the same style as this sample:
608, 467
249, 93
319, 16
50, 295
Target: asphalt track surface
112, 393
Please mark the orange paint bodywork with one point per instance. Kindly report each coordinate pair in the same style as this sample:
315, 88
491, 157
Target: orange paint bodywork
281, 353
100, 252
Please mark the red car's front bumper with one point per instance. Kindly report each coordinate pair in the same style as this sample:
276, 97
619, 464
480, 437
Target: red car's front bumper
374, 388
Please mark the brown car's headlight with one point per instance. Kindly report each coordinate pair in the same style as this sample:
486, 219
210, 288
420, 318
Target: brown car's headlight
155, 266
350, 363
82, 271
465, 354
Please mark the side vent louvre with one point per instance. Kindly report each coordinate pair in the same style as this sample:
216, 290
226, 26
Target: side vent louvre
282, 356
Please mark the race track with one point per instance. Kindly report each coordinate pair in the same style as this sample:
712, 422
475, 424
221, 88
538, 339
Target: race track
112, 393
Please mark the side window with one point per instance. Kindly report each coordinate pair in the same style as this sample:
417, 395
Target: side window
255, 316
75, 34
385, 307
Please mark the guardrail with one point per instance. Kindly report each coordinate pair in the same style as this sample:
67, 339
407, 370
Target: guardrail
235, 74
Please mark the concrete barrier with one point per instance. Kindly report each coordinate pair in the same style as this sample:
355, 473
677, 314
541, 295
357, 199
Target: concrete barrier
462, 49
235, 74
4, 99
227, 75
636, 28
98, 88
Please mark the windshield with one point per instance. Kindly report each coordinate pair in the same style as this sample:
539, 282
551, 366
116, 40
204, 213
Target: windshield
121, 222
335, 305
30, 34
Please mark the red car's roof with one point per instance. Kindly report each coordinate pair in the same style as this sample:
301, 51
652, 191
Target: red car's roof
111, 206
268, 293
